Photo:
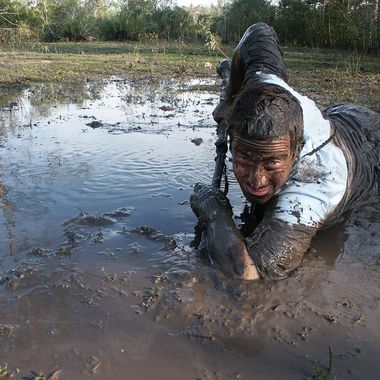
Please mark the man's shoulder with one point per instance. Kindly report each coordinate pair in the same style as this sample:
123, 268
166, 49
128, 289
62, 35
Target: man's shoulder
314, 189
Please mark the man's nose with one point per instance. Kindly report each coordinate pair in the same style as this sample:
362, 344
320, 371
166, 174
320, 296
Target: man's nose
258, 177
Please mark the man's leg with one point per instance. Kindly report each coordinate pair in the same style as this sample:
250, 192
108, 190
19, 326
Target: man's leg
257, 51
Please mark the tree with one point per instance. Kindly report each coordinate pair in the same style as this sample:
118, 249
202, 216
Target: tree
294, 21
17, 21
174, 23
236, 17
72, 20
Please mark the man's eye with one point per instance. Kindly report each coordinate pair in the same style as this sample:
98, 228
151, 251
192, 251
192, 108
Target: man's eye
272, 164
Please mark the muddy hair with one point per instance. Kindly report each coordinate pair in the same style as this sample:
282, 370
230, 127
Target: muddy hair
267, 111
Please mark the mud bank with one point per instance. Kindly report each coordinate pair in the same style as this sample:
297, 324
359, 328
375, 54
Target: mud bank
97, 277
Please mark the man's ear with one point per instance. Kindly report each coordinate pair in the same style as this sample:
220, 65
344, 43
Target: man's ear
297, 149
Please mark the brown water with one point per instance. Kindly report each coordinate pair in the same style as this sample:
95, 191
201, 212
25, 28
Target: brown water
97, 278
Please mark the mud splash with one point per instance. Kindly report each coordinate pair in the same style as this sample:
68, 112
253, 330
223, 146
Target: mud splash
97, 277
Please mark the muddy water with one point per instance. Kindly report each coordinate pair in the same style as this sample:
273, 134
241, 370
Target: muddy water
97, 278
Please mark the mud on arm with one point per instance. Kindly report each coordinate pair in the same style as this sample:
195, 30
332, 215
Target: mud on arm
224, 241
277, 248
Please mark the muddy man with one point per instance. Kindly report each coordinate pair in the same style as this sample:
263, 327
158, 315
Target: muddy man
302, 168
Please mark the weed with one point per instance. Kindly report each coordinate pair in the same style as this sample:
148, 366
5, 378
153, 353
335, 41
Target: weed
110, 277
214, 43
321, 374
3, 370
181, 68
355, 62
35, 376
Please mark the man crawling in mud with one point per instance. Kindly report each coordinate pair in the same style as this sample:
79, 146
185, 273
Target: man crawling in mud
301, 169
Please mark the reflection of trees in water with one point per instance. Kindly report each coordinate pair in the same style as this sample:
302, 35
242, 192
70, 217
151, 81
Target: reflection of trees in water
9, 105
8, 215
9, 95
8, 125
150, 92
46, 95
41, 99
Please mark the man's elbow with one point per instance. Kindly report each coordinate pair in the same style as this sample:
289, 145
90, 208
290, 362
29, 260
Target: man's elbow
278, 249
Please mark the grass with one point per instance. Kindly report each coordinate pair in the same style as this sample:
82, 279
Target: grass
68, 61
327, 76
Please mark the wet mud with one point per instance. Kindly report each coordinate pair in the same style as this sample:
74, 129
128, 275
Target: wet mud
97, 276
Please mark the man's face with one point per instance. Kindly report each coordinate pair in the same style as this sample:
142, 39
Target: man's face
261, 166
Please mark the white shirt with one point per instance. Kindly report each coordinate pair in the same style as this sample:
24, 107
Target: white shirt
317, 182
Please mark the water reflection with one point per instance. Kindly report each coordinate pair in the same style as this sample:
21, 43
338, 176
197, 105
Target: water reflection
140, 154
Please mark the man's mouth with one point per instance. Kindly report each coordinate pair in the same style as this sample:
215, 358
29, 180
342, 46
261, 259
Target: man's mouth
258, 191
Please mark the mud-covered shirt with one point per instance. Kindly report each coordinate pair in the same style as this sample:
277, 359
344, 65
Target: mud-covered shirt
318, 180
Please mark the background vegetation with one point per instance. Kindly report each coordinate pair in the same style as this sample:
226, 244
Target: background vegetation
348, 24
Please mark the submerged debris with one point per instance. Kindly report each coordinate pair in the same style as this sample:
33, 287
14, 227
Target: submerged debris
150, 298
99, 237
6, 330
13, 278
6, 372
90, 220
197, 141
95, 124
80, 228
99, 220
160, 278
54, 375
93, 364
75, 235
155, 235
121, 212
64, 250
167, 108
40, 252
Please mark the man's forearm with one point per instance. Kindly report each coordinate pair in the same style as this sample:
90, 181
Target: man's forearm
227, 247
225, 242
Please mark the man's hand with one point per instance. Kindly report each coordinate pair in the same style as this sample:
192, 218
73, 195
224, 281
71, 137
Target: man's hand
224, 241
207, 202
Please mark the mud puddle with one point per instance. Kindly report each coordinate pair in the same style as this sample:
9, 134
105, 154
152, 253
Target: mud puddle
97, 278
